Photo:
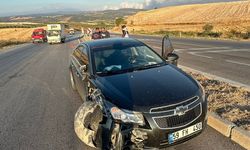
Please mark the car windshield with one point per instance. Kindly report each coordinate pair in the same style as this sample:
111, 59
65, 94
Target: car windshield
132, 58
53, 33
38, 33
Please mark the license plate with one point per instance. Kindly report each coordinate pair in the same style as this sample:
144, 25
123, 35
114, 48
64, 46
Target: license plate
172, 137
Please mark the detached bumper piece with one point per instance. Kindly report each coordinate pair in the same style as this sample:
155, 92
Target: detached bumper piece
86, 123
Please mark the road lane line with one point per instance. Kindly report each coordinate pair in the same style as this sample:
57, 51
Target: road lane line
199, 55
203, 48
180, 43
156, 47
229, 50
239, 63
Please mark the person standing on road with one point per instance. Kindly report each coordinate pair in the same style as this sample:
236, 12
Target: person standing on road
97, 34
125, 33
105, 33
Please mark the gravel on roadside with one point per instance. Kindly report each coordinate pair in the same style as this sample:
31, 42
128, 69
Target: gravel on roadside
228, 101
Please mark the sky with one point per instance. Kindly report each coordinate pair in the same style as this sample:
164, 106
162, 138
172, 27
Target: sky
24, 7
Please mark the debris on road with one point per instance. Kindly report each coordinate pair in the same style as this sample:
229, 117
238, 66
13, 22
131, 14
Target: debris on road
228, 101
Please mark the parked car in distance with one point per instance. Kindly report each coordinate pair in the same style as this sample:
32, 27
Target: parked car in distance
39, 35
71, 31
133, 97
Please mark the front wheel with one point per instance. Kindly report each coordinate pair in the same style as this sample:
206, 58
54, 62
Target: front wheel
63, 41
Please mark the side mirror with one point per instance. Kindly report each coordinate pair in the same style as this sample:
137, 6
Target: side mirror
167, 51
167, 47
172, 58
83, 70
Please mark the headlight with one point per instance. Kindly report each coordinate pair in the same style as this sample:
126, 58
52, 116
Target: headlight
127, 116
203, 93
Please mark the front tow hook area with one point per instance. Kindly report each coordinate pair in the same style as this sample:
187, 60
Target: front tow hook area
86, 123
138, 137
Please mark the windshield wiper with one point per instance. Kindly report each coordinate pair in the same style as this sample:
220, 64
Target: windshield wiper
111, 72
147, 66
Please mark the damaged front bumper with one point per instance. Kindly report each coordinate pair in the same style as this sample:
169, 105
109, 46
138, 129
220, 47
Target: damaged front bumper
98, 131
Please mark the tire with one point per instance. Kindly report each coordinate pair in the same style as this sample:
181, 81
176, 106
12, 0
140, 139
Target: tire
63, 41
72, 80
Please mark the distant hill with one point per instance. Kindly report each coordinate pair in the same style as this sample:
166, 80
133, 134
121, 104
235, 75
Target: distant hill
223, 16
83, 16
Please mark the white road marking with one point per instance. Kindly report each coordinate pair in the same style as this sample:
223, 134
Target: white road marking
203, 48
156, 47
239, 63
155, 40
199, 55
229, 50
180, 43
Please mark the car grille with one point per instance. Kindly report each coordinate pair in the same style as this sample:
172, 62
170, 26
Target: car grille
177, 115
175, 121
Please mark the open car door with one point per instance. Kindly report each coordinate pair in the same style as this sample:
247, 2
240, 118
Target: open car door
167, 51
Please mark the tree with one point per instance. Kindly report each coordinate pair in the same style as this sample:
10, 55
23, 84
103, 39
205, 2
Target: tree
119, 21
132, 22
207, 28
101, 24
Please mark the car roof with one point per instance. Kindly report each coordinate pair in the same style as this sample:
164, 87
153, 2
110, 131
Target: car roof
39, 29
111, 42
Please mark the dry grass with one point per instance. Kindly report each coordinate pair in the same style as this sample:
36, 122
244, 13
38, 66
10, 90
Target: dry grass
13, 36
18, 34
230, 102
223, 16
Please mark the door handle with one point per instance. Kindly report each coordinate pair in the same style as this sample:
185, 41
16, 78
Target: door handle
77, 74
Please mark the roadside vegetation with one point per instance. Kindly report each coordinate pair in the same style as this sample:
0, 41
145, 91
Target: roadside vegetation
2, 26
78, 26
207, 32
14, 36
9, 43
230, 102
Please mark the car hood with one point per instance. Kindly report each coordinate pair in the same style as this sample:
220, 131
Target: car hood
38, 36
145, 89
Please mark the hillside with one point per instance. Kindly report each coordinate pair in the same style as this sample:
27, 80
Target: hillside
223, 16
84, 16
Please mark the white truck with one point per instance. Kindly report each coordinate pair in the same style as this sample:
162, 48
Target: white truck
56, 33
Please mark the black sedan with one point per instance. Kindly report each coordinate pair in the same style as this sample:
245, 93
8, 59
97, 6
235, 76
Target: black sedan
133, 98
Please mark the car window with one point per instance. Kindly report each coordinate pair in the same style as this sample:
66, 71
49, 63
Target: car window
81, 55
127, 58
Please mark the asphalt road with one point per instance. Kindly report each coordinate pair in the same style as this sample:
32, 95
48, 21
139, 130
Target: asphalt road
37, 104
225, 59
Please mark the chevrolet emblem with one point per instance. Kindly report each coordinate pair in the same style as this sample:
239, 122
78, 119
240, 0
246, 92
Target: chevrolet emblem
181, 110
